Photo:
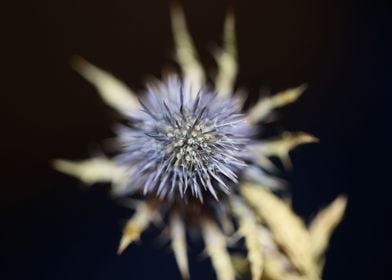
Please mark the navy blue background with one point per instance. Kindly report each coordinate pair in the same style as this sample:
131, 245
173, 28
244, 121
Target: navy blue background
53, 228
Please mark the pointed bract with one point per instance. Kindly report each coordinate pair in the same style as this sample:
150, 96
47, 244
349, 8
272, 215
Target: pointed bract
215, 242
257, 175
287, 228
276, 265
281, 146
249, 229
185, 51
94, 170
135, 226
324, 223
178, 244
266, 105
262, 160
226, 58
113, 92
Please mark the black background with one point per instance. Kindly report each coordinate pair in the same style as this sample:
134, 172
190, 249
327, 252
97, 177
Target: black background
53, 228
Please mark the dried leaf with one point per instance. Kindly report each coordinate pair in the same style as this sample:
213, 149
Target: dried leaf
226, 58
324, 224
249, 229
287, 228
215, 242
113, 92
185, 51
178, 237
266, 105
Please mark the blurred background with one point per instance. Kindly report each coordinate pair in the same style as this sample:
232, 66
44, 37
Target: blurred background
54, 228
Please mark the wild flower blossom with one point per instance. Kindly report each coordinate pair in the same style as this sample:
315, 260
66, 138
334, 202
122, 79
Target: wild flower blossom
190, 153
181, 145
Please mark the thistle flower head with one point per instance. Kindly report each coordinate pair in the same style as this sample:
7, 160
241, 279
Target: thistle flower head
188, 141
182, 143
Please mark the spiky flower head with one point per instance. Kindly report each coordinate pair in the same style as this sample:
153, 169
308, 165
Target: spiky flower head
184, 144
188, 152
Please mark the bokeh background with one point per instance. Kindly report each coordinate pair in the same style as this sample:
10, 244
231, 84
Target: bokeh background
54, 228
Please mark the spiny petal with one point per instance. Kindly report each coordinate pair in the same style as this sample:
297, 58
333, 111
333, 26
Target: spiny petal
144, 214
112, 91
283, 145
266, 105
324, 224
178, 244
215, 242
287, 228
248, 227
95, 170
226, 58
185, 51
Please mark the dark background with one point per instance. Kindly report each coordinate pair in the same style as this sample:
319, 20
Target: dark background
53, 228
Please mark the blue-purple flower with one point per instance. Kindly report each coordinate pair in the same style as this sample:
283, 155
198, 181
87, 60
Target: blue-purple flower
183, 144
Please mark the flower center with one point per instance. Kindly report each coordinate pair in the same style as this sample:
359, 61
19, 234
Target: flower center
190, 140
